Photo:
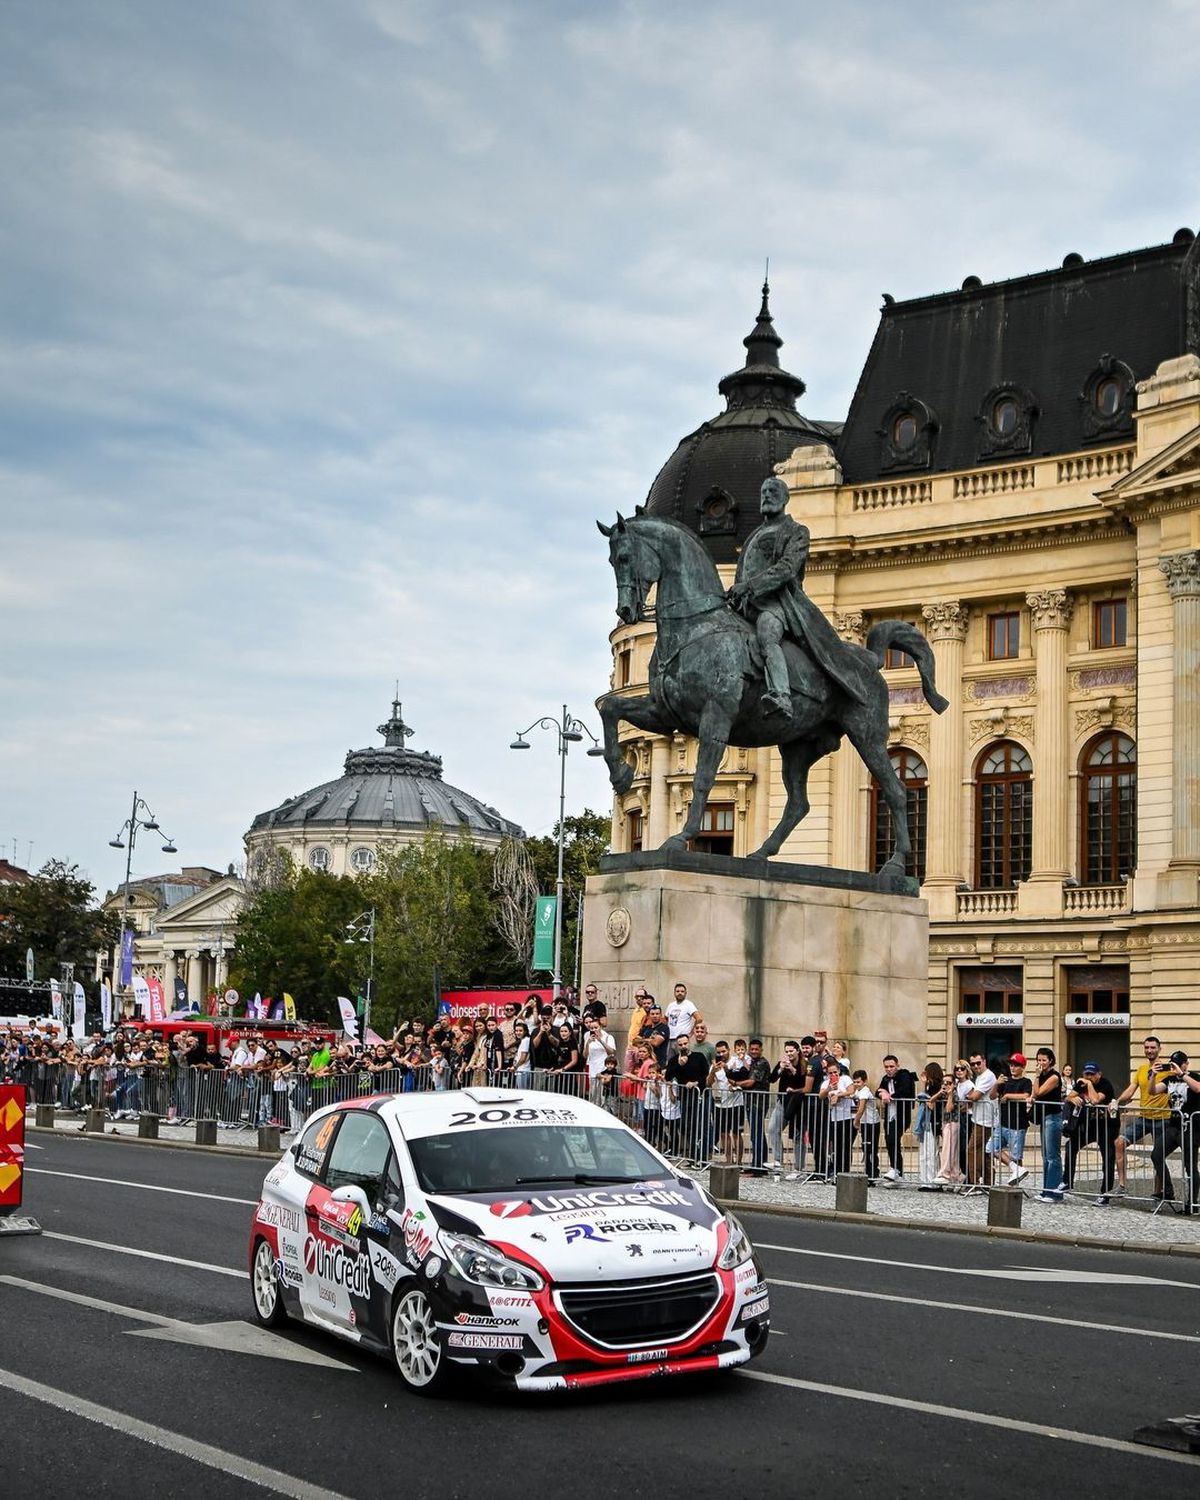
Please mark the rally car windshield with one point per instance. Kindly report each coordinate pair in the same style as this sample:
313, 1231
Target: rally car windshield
484, 1161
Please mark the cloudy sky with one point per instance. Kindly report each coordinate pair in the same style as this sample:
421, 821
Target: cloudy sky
328, 326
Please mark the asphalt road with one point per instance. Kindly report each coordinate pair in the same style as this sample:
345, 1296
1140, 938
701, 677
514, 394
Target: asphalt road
909, 1360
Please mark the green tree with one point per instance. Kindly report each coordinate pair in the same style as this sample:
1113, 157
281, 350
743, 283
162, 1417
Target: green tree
587, 837
292, 936
56, 915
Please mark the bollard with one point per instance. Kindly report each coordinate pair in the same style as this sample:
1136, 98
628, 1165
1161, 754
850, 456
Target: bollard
206, 1132
94, 1120
1004, 1207
268, 1139
147, 1127
850, 1195
723, 1181
44, 1115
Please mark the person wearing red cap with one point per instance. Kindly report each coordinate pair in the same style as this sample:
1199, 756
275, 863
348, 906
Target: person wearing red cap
1008, 1140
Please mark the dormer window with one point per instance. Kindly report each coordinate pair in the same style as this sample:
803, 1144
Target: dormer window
1006, 417
1106, 401
907, 434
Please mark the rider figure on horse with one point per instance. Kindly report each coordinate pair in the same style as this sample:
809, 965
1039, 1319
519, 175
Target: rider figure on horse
768, 590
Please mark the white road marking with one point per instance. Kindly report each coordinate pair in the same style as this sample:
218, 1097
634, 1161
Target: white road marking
987, 1312
980, 1418
233, 1337
173, 1442
174, 1260
148, 1187
1083, 1278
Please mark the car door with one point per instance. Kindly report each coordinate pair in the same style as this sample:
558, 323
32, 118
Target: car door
353, 1205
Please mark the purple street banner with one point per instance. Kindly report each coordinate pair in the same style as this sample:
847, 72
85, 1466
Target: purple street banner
126, 957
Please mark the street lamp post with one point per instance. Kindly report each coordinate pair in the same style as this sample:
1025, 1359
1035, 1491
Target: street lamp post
569, 731
131, 827
362, 930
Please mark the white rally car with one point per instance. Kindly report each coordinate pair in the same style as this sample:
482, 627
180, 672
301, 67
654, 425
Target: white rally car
528, 1235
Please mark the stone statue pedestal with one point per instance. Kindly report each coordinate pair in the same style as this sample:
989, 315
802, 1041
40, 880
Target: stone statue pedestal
766, 949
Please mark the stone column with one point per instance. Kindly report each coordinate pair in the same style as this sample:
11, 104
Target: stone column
945, 859
847, 821
658, 823
170, 970
1051, 610
195, 979
1182, 572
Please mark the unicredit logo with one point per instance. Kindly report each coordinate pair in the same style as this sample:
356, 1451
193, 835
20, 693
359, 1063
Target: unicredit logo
334, 1265
511, 1210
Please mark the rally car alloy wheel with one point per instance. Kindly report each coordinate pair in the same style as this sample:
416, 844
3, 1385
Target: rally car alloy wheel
268, 1303
417, 1345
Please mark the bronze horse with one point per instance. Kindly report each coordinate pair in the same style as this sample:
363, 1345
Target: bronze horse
706, 680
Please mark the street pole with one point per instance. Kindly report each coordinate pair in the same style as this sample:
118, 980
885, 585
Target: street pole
569, 730
130, 828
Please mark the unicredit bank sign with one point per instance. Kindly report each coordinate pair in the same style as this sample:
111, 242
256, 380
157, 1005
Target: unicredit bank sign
973, 1020
1086, 1020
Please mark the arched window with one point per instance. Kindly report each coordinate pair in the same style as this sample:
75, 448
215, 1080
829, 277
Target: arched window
1003, 817
914, 776
1108, 820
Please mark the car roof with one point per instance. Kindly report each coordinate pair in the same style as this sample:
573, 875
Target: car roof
429, 1113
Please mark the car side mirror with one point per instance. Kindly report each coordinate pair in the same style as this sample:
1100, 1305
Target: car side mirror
352, 1193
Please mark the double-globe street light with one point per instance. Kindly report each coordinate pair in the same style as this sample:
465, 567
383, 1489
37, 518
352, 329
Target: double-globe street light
126, 839
570, 731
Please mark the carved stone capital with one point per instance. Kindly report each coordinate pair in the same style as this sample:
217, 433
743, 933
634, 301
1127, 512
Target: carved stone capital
1051, 609
1182, 572
947, 620
851, 625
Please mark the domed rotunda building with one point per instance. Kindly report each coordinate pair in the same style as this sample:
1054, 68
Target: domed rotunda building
387, 795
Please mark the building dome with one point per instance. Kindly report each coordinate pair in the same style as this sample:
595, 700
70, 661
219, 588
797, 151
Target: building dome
711, 481
386, 795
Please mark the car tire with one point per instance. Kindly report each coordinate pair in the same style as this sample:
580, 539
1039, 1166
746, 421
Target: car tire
266, 1293
417, 1347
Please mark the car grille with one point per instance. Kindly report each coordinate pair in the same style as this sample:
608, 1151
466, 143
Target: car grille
636, 1313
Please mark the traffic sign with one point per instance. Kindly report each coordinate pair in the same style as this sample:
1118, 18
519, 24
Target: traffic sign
12, 1145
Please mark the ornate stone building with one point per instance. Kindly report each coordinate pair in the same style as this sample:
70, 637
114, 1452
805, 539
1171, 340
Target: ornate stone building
185, 928
1018, 475
386, 795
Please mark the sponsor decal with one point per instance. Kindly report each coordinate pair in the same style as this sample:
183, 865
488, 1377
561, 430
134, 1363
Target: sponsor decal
333, 1265
291, 1250
417, 1240
574, 1203
379, 1224
743, 1274
352, 1318
646, 1356
457, 1340
280, 1216
575, 1232
634, 1252
277, 1173
523, 1116
433, 1266
477, 1320
289, 1275
751, 1292
638, 1226
326, 1294
757, 1309
386, 1267
509, 1299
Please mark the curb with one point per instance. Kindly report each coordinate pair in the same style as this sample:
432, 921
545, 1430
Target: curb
879, 1221
245, 1152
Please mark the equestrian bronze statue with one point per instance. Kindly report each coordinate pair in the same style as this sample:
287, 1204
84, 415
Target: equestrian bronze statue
758, 664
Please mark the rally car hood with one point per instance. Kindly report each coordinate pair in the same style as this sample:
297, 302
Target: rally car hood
626, 1231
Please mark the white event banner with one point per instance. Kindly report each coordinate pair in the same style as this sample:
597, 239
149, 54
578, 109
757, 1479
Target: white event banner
349, 1017
141, 994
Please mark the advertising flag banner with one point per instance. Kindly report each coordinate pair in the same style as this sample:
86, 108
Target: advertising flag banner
158, 1008
105, 1005
29, 966
349, 1019
80, 1010
180, 990
289, 1007
141, 995
12, 1144
214, 1004
56, 1001
127, 958
254, 1007
543, 932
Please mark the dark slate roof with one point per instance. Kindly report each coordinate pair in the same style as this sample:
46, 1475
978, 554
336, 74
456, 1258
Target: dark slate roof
1044, 334
389, 787
711, 481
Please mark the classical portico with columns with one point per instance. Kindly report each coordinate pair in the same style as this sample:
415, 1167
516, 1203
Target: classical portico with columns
1021, 482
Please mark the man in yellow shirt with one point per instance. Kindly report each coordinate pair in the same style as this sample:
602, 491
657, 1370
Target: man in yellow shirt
1152, 1113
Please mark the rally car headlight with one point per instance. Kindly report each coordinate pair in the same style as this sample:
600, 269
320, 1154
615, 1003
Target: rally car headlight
477, 1261
737, 1247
